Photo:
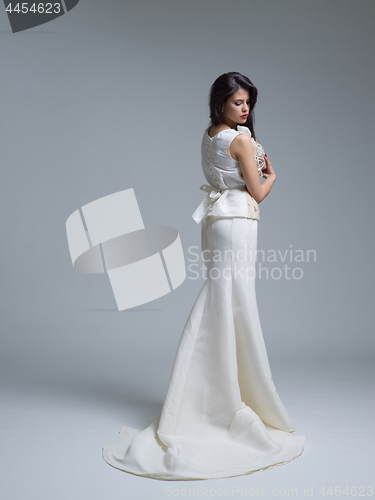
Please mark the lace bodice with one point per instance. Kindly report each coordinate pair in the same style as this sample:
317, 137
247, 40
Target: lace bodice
258, 149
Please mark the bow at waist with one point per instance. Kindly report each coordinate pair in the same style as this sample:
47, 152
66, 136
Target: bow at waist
214, 194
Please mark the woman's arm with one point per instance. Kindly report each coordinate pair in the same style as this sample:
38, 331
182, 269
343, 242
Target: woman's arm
242, 150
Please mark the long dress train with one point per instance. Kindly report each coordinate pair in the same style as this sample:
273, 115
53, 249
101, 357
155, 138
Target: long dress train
222, 415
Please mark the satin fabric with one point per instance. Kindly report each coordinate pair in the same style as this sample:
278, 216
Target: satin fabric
222, 415
223, 174
227, 192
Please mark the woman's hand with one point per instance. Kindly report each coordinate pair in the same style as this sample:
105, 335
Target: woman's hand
268, 170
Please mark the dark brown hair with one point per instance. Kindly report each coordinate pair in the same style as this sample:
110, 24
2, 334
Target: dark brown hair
222, 88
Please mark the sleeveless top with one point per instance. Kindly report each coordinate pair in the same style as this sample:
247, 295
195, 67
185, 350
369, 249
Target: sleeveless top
227, 193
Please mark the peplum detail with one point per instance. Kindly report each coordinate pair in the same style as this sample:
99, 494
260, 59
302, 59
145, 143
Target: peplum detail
227, 194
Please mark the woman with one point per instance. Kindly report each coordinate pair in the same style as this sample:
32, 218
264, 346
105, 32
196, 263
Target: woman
222, 416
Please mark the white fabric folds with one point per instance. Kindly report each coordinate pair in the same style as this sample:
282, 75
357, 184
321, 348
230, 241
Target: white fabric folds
222, 416
222, 203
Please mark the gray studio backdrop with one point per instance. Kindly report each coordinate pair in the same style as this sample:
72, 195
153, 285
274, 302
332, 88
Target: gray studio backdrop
113, 96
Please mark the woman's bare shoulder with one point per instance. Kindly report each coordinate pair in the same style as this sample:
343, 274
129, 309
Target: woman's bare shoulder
241, 145
242, 141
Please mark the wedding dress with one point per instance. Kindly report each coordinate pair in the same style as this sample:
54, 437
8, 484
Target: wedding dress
222, 416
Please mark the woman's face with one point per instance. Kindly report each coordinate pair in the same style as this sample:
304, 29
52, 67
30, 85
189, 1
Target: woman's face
236, 108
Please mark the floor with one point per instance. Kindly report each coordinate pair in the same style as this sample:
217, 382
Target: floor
53, 428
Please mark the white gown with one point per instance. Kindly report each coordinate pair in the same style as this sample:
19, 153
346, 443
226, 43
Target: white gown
222, 416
